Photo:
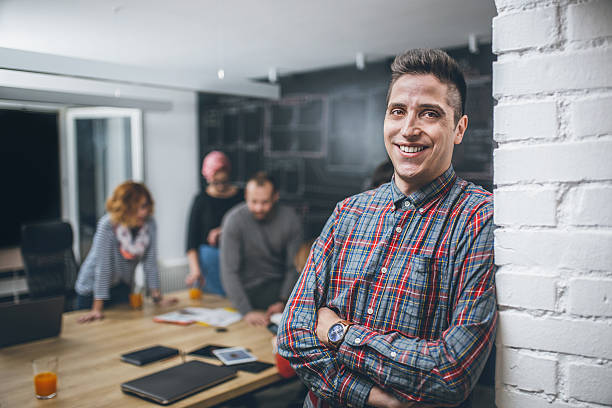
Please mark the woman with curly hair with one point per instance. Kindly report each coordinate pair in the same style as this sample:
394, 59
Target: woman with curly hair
125, 236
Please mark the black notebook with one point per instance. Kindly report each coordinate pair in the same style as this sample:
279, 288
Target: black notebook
172, 384
149, 355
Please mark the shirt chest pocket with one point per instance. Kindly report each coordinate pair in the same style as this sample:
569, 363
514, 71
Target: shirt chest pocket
420, 294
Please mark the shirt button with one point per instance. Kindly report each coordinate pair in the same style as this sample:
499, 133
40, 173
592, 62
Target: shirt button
406, 204
357, 340
383, 270
393, 354
421, 210
398, 229
370, 311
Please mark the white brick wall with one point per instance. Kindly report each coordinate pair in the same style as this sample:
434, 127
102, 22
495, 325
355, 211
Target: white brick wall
591, 117
589, 20
591, 297
597, 389
525, 121
533, 28
553, 202
528, 371
526, 290
536, 206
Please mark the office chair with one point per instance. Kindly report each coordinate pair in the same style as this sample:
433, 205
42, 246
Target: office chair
49, 262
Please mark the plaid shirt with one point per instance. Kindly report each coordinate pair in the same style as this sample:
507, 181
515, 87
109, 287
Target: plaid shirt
416, 276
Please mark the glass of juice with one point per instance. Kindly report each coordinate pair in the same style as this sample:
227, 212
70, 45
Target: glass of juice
195, 292
45, 377
136, 300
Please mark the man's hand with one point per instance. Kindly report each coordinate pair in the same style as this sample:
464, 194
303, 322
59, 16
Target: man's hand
277, 307
213, 237
325, 319
256, 318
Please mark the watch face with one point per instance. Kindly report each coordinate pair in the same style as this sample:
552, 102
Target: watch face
336, 332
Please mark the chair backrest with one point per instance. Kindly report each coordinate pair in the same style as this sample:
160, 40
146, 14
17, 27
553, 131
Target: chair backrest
48, 258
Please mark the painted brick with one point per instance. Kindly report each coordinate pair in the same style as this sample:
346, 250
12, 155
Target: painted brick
525, 290
525, 121
528, 371
510, 399
589, 20
586, 250
590, 117
592, 383
561, 162
525, 29
589, 206
590, 297
556, 72
526, 207
570, 336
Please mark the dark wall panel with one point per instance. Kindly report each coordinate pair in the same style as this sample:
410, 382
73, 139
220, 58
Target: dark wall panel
324, 138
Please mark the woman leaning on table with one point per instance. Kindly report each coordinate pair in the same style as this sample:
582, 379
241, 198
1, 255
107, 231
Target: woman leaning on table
125, 236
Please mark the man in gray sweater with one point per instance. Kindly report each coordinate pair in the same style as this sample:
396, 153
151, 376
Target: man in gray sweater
259, 240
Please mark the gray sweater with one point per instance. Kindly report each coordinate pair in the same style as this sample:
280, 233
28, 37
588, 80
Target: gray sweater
255, 252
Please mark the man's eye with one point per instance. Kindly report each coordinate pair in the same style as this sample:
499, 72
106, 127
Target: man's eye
396, 111
430, 114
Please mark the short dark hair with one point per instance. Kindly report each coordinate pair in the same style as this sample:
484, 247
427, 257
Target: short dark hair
261, 177
422, 61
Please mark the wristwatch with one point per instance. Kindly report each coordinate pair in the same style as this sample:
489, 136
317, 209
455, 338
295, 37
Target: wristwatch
337, 331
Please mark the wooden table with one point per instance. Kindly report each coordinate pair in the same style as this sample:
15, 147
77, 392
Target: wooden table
90, 370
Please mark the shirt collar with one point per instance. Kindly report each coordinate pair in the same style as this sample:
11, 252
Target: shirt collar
426, 194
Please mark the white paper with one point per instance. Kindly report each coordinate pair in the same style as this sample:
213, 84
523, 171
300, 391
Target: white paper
219, 317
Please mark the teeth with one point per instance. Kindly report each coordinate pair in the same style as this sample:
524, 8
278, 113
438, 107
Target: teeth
411, 149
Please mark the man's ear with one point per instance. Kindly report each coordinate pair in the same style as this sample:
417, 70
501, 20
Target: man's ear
460, 129
276, 196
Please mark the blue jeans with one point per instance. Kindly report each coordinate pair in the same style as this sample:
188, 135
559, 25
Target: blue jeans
118, 294
209, 264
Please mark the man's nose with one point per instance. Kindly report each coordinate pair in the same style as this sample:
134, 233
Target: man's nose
410, 125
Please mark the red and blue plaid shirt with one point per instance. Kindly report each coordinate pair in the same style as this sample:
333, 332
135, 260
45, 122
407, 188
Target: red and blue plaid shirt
416, 275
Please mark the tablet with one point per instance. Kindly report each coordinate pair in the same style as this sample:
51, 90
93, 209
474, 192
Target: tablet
234, 355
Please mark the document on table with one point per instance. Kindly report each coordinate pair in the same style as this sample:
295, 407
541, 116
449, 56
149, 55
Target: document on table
219, 317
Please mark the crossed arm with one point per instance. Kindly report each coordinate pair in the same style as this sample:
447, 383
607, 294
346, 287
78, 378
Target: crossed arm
371, 364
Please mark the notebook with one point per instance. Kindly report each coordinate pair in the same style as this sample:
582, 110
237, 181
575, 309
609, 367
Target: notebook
149, 355
172, 384
30, 319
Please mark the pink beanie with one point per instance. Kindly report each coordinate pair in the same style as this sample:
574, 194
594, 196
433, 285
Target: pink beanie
213, 162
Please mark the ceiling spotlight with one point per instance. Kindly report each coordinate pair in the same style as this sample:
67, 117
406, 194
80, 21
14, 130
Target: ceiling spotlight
360, 61
473, 43
221, 73
272, 75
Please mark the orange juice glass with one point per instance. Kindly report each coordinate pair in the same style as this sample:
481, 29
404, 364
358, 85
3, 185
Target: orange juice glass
45, 377
136, 300
195, 293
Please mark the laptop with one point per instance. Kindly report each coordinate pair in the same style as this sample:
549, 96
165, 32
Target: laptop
30, 319
174, 383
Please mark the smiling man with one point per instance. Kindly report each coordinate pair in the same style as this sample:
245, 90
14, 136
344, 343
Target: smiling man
396, 306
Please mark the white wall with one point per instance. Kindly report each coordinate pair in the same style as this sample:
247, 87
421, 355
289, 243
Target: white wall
553, 202
170, 142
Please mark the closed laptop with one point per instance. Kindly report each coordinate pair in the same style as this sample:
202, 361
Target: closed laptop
30, 319
174, 383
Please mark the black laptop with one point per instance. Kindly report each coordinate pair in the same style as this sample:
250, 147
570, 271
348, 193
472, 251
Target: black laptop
30, 319
174, 383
